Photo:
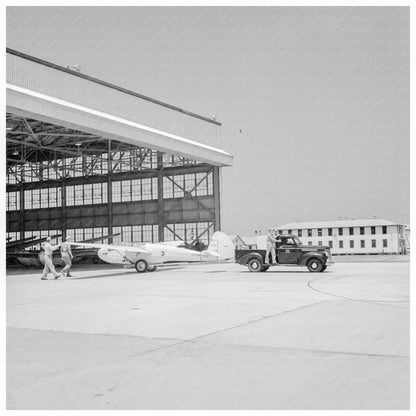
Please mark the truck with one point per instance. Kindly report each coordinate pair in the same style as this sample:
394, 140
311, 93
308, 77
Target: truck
289, 252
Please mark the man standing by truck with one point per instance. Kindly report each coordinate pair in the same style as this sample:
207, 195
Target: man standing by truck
270, 247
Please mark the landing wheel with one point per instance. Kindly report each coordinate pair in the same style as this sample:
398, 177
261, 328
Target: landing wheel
314, 265
151, 268
265, 268
254, 265
141, 266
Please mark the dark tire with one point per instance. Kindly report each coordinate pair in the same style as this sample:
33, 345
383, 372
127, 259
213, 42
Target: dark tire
265, 268
314, 265
95, 260
141, 266
151, 268
324, 268
254, 265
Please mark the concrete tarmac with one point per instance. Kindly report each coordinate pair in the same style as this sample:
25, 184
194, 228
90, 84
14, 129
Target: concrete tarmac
210, 337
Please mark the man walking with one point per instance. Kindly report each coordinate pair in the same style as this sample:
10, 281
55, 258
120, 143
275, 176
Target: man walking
49, 267
67, 257
270, 248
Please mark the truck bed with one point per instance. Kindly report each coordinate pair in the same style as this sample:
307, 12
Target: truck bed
241, 253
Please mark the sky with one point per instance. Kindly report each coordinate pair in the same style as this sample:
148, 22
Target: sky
313, 101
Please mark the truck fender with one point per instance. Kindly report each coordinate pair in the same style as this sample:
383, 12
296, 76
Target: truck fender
246, 258
304, 259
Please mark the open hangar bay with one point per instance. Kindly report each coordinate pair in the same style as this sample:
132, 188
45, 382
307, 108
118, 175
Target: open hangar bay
210, 337
87, 159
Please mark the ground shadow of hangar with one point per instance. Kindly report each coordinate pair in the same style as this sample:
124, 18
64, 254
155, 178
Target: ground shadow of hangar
86, 158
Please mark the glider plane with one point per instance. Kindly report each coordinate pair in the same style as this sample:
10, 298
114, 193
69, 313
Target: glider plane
147, 257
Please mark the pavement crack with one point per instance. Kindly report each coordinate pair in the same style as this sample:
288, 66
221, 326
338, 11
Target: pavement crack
369, 301
310, 350
231, 327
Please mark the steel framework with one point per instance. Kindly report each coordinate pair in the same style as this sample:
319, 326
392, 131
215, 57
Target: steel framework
63, 179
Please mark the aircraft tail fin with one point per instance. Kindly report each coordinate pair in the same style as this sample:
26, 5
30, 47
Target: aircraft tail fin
222, 244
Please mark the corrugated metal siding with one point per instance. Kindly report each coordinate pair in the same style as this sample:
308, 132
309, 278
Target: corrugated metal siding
55, 83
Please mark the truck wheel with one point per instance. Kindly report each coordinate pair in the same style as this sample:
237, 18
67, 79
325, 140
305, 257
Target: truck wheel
265, 268
314, 265
254, 265
141, 266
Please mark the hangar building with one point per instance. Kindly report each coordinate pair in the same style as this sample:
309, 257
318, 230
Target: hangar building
86, 158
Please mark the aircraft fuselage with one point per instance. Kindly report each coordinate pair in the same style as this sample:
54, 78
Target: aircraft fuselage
156, 254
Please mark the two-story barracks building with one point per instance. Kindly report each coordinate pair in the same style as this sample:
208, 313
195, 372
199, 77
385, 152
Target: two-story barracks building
372, 236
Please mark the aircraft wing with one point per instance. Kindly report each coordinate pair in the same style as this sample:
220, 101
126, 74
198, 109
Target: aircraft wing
103, 237
28, 242
120, 249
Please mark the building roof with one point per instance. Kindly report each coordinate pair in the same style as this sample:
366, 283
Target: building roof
43, 91
335, 223
250, 240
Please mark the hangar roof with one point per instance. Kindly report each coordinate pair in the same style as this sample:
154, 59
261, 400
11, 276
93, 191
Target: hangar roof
40, 90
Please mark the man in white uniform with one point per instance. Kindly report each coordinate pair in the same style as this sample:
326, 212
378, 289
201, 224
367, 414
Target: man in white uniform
270, 248
49, 267
67, 256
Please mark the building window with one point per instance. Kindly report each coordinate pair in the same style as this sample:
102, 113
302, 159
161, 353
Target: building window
44, 198
319, 243
351, 243
191, 233
87, 194
138, 190
339, 231
373, 243
362, 242
309, 233
319, 232
309, 243
330, 244
330, 232
385, 243
35, 198
384, 229
351, 230
299, 233
12, 236
13, 201
289, 231
79, 195
280, 232
203, 183
132, 234
373, 230
195, 184
341, 244
362, 231
99, 195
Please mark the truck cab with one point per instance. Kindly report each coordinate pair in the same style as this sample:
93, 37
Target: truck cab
289, 251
